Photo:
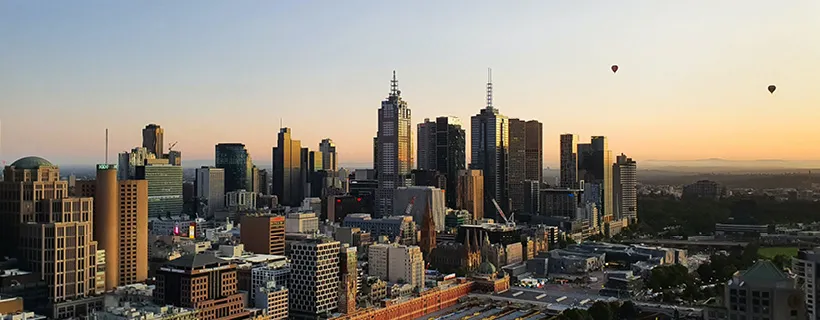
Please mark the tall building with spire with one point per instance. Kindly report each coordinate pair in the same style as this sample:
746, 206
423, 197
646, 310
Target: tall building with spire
490, 135
394, 149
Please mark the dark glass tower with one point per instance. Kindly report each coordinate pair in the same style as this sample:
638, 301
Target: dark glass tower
450, 154
233, 158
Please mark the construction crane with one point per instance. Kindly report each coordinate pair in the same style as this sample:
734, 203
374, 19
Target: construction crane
172, 145
509, 222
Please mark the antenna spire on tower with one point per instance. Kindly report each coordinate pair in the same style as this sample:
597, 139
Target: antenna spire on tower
489, 88
394, 86
106, 145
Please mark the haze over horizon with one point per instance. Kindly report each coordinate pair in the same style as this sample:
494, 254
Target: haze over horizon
691, 85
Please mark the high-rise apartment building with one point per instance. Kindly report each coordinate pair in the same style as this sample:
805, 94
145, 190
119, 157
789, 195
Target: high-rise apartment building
394, 149
470, 193
526, 161
328, 150
490, 136
120, 224
426, 145
164, 188
210, 189
234, 159
568, 165
624, 173
202, 282
152, 136
595, 169
263, 233
806, 268
288, 179
314, 291
50, 232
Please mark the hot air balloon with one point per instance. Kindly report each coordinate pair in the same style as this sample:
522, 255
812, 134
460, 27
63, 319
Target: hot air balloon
614, 68
772, 88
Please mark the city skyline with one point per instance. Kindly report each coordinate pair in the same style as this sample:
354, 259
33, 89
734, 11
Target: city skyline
668, 100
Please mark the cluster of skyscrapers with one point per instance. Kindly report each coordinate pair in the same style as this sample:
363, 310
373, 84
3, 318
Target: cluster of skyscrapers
507, 154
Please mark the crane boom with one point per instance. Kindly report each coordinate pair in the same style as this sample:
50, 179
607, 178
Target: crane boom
501, 212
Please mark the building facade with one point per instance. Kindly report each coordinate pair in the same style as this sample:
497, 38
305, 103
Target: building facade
490, 136
595, 169
210, 189
263, 233
152, 139
233, 158
164, 188
288, 182
328, 150
526, 161
203, 282
450, 154
426, 145
394, 147
568, 165
470, 193
625, 185
314, 292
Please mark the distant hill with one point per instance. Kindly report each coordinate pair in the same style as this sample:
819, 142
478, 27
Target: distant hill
716, 164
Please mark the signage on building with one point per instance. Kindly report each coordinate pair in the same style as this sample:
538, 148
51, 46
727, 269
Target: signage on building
192, 230
106, 166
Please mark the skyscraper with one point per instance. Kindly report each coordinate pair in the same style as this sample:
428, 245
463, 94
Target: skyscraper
470, 195
210, 189
569, 161
450, 154
526, 162
328, 150
624, 173
311, 178
152, 136
490, 135
233, 158
426, 146
288, 179
595, 169
120, 224
394, 149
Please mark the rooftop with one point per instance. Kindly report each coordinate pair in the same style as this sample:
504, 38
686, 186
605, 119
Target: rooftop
31, 162
196, 261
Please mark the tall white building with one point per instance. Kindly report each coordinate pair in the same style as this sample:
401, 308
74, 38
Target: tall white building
377, 260
624, 185
328, 150
210, 188
394, 149
314, 279
806, 267
423, 195
489, 150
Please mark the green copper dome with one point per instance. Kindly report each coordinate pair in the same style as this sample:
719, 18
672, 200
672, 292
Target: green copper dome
486, 267
31, 163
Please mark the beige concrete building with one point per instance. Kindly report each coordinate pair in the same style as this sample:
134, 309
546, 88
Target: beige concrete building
396, 263
50, 233
120, 224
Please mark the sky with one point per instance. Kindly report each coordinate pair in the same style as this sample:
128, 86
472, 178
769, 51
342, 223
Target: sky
691, 84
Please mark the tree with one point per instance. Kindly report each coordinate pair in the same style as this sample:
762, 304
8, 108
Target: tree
574, 314
628, 311
782, 261
601, 311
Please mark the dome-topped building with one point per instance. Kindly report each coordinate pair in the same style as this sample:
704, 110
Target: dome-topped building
31, 168
486, 268
31, 162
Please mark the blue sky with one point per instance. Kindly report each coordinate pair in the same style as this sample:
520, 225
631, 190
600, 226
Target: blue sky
692, 82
